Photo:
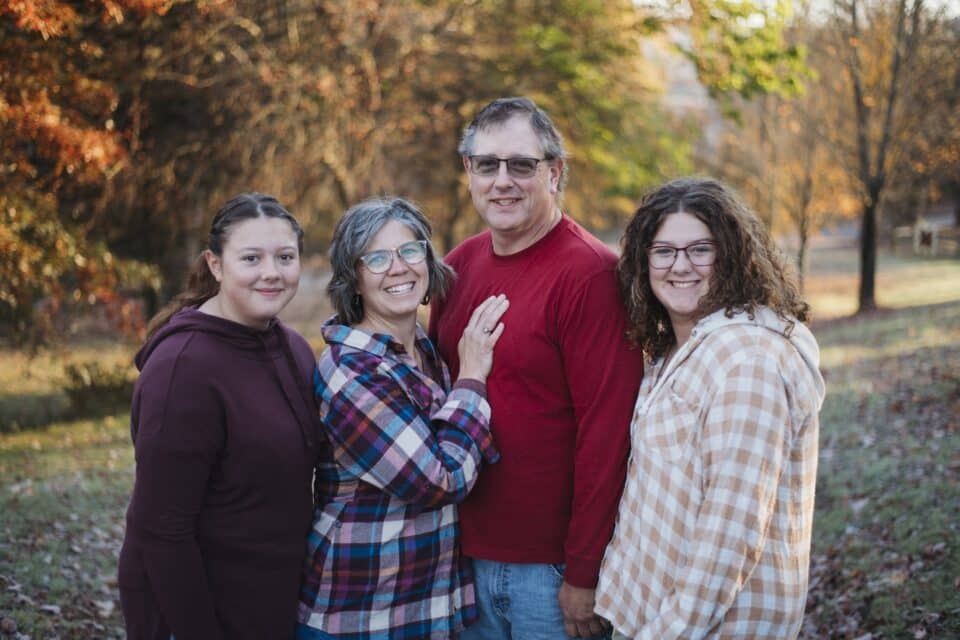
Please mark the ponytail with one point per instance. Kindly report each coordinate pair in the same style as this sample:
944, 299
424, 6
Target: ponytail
201, 286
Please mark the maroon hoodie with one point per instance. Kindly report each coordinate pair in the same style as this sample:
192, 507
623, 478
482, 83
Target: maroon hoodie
224, 428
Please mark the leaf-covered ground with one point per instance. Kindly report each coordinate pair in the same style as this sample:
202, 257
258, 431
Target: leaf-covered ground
63, 493
886, 550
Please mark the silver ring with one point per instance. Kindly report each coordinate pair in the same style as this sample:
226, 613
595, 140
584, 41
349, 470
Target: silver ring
487, 330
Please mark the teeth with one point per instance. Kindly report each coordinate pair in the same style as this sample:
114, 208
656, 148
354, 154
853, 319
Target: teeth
684, 285
400, 288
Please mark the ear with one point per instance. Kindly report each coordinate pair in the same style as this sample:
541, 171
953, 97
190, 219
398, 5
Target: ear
466, 163
213, 263
556, 170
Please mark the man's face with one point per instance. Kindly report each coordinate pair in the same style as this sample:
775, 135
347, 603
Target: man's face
518, 210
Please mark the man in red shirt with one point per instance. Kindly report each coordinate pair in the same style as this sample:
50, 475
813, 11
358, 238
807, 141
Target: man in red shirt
562, 387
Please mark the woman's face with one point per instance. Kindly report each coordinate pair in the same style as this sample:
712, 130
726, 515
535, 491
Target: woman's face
680, 285
394, 295
258, 272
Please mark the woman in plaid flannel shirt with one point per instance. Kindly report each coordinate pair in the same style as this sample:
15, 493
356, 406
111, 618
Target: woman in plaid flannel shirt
403, 444
713, 534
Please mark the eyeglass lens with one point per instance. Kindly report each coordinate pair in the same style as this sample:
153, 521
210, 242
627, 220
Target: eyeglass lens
519, 167
413, 252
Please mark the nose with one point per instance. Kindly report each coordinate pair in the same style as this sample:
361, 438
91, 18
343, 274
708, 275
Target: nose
503, 178
397, 265
270, 270
683, 266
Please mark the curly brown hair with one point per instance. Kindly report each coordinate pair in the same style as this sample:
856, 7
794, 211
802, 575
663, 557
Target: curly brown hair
749, 271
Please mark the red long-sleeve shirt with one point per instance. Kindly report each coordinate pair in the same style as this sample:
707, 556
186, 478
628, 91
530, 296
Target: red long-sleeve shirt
562, 390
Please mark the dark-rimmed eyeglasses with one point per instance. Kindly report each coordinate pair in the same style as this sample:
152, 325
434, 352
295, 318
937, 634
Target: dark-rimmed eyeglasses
518, 167
413, 252
700, 254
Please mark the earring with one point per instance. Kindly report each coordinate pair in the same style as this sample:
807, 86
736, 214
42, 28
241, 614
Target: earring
426, 299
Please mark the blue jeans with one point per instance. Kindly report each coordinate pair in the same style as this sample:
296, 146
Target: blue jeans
517, 602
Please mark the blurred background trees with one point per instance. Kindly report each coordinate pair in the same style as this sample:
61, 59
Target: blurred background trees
125, 123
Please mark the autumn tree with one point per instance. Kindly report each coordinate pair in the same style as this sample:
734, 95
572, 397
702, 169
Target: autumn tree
60, 144
878, 44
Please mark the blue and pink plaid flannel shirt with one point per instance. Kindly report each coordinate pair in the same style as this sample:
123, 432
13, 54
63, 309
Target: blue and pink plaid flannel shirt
383, 558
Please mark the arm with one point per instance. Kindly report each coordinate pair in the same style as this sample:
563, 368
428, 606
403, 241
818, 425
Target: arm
603, 373
744, 446
177, 440
386, 440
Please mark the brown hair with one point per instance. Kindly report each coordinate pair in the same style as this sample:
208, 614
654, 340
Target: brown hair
201, 285
749, 271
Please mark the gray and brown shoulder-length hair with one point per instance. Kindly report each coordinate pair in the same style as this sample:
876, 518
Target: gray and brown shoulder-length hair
749, 271
353, 235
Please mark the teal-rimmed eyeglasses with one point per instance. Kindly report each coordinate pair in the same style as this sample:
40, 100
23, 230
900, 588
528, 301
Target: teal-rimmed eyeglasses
380, 261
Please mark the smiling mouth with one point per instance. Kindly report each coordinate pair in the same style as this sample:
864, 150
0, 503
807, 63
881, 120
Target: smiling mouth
684, 285
400, 288
504, 202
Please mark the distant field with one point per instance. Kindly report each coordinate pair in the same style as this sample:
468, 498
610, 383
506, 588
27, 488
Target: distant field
886, 556
832, 281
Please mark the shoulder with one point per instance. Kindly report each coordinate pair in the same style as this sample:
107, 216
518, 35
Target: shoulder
581, 251
186, 362
191, 353
298, 345
341, 364
469, 248
741, 357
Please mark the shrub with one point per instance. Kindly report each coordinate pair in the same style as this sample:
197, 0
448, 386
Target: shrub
95, 390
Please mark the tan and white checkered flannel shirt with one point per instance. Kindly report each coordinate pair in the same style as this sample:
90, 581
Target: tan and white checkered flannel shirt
713, 533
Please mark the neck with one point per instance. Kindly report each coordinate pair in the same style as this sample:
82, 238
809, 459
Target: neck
402, 330
214, 307
506, 243
681, 332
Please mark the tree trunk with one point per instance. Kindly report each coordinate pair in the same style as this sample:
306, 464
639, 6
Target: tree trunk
868, 258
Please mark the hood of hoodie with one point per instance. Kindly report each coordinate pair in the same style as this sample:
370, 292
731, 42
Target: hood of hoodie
270, 344
191, 320
791, 329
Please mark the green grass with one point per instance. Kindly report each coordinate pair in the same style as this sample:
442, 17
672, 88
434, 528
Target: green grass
32, 387
885, 554
63, 493
886, 550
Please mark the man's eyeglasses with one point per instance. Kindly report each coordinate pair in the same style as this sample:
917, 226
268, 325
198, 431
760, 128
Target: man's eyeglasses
700, 254
413, 252
518, 167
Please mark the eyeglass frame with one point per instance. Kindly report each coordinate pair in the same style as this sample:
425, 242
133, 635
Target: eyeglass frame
676, 254
499, 160
396, 252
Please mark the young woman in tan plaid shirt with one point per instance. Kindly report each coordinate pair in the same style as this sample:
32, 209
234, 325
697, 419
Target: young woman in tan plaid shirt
713, 534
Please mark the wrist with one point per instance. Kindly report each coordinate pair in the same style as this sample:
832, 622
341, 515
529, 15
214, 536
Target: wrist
472, 375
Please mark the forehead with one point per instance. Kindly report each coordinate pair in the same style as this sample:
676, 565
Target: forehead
681, 228
391, 235
261, 232
513, 137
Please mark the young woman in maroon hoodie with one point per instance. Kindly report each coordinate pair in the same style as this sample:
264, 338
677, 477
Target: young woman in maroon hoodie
224, 429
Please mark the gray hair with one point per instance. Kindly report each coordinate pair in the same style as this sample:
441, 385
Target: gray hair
353, 234
501, 110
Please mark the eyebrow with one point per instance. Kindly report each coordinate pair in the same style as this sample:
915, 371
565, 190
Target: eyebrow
252, 248
691, 243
